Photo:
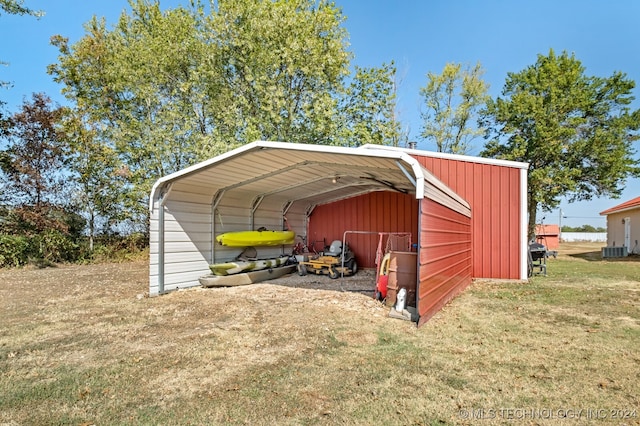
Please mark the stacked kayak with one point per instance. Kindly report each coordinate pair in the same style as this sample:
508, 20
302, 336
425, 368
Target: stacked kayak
260, 238
245, 278
246, 268
239, 266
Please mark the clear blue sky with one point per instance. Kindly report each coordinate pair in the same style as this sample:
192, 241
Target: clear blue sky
419, 35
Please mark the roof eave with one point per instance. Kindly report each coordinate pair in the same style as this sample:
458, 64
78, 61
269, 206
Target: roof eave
626, 209
458, 157
415, 166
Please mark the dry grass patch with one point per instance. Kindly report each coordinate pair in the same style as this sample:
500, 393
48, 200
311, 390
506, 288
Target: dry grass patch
79, 344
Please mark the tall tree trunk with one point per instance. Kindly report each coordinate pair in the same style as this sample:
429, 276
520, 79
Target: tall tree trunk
531, 229
92, 230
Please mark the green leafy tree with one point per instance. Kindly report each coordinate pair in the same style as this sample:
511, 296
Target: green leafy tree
575, 131
16, 7
138, 89
168, 89
583, 228
282, 63
135, 82
99, 179
452, 101
369, 108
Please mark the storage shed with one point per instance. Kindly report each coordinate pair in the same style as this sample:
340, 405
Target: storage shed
548, 236
467, 215
623, 229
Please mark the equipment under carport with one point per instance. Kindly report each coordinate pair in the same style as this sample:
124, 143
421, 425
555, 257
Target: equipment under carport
333, 262
402, 274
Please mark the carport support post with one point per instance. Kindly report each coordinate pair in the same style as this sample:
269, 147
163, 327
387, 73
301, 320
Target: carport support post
160, 248
214, 210
162, 196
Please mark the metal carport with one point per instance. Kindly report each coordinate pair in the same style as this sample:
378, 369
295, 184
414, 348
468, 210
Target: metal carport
265, 184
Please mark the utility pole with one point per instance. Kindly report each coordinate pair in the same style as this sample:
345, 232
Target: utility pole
560, 226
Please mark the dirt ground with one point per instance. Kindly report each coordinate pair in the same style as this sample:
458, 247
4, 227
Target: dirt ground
362, 282
89, 295
129, 281
48, 287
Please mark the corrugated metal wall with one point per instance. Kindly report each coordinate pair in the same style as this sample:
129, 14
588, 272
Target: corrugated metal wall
493, 192
185, 238
183, 224
376, 212
445, 261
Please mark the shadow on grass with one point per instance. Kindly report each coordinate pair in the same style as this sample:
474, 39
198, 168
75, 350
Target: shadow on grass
596, 256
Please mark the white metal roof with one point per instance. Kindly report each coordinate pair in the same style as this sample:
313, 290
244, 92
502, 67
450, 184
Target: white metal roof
310, 174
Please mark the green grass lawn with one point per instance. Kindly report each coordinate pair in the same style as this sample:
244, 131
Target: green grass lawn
560, 349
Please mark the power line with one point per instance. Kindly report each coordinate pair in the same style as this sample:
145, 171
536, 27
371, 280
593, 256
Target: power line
583, 217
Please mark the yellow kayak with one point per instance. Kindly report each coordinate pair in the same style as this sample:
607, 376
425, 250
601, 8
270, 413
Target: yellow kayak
256, 238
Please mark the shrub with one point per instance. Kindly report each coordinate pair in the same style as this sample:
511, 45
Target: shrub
13, 250
119, 248
52, 246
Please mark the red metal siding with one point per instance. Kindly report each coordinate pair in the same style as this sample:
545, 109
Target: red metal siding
549, 236
374, 212
494, 195
445, 257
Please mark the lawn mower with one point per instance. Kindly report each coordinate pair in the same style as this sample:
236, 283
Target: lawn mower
334, 262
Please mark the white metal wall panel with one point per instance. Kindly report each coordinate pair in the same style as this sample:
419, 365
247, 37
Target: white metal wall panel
200, 211
175, 268
191, 193
188, 227
176, 258
182, 280
186, 240
187, 247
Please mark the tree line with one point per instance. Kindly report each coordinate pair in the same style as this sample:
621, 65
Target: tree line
164, 89
583, 228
